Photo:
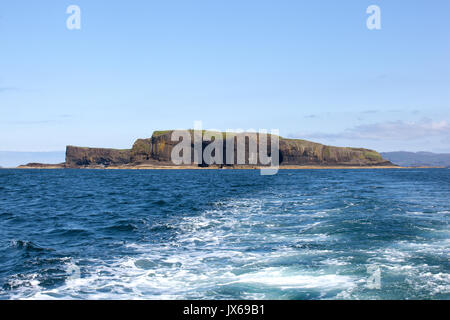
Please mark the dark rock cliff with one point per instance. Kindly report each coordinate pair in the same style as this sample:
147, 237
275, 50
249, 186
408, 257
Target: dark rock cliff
158, 149
82, 157
295, 152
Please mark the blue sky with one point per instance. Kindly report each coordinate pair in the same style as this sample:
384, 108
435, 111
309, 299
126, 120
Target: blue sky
309, 68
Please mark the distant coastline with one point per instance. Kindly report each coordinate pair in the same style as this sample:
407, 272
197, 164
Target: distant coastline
418, 159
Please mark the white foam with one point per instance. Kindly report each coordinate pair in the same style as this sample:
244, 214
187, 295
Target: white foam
217, 248
285, 279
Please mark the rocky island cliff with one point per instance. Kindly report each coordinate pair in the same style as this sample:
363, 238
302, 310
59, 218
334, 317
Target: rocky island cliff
156, 152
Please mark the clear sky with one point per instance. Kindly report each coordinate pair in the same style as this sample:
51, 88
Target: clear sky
311, 69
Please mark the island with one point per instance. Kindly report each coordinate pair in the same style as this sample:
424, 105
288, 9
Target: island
155, 153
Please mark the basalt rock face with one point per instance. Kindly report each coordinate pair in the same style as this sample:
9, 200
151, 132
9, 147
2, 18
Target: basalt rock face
301, 152
84, 157
141, 151
162, 146
158, 150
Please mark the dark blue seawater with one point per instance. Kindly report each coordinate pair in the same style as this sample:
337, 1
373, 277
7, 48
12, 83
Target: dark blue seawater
306, 234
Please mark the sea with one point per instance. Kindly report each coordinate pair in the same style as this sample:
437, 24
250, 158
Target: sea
225, 234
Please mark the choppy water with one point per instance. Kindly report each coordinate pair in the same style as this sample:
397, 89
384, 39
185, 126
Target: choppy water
224, 234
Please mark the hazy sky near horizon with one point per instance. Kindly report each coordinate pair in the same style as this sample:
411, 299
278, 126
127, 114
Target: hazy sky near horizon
309, 68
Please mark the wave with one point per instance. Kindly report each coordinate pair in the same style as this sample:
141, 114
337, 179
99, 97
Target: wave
28, 246
300, 238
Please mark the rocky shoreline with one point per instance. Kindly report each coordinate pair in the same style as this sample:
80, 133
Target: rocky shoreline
139, 167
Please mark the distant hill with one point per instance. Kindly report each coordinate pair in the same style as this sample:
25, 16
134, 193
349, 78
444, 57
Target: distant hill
11, 159
418, 159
